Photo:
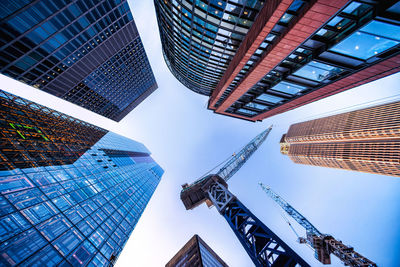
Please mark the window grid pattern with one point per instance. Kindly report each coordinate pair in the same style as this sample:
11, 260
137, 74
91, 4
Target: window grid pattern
287, 20
378, 122
379, 158
76, 214
200, 37
364, 140
34, 136
303, 68
47, 43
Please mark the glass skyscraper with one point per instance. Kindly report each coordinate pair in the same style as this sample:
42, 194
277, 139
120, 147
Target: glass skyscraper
70, 193
87, 52
196, 253
259, 58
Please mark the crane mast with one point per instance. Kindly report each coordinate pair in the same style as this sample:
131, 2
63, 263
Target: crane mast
322, 244
261, 244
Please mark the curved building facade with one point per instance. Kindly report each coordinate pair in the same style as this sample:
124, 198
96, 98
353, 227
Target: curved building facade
201, 37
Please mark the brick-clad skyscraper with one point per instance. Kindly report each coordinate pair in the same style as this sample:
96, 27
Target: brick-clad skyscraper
255, 59
365, 140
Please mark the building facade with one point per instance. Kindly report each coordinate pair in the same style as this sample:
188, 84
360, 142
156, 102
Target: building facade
70, 193
294, 53
366, 140
86, 52
200, 38
196, 253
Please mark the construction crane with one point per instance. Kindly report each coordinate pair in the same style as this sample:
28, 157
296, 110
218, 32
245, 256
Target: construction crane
324, 245
263, 246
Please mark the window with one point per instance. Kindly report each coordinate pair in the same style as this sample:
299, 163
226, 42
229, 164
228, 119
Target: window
317, 71
256, 106
248, 112
370, 40
269, 98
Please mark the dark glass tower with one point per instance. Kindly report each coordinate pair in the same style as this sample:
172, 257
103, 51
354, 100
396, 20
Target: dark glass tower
70, 193
255, 61
85, 51
201, 37
196, 253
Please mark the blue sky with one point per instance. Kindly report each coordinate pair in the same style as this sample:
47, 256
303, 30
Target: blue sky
187, 140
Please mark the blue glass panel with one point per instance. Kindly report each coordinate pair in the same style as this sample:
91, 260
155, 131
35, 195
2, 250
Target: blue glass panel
382, 29
14, 183
98, 237
26, 198
256, 105
20, 247
41, 178
269, 98
99, 260
82, 254
366, 43
245, 111
5, 207
54, 227
68, 241
317, 71
39, 213
47, 256
11, 225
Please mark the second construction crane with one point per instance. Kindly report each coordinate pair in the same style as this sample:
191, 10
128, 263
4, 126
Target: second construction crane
323, 245
263, 246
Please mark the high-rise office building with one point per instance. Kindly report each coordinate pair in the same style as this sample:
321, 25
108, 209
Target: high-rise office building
70, 193
196, 253
366, 140
256, 59
85, 51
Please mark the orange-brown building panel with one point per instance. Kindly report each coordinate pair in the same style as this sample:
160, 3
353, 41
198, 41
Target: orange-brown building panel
379, 122
366, 140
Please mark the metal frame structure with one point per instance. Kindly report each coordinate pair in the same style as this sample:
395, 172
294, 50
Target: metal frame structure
237, 160
323, 244
263, 246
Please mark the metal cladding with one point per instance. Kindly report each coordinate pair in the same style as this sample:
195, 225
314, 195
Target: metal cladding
366, 140
86, 52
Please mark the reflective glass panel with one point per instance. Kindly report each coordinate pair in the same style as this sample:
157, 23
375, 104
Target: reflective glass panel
245, 111
269, 98
369, 40
288, 88
317, 71
256, 105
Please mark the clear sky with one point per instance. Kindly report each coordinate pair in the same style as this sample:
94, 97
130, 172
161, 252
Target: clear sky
187, 140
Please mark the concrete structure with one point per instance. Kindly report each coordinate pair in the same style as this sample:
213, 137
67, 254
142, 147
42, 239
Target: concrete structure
366, 140
86, 52
196, 253
71, 193
294, 53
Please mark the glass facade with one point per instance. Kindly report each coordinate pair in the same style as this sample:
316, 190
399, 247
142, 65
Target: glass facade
78, 211
87, 52
360, 35
199, 37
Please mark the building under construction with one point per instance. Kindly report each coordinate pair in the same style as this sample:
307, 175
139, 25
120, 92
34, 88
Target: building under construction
366, 140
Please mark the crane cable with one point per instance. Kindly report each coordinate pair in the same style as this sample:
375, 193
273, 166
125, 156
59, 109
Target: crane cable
231, 156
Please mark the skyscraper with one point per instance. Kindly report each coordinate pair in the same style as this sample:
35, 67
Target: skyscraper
71, 192
366, 140
84, 51
196, 253
289, 53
